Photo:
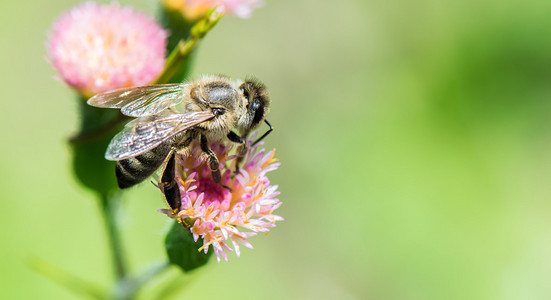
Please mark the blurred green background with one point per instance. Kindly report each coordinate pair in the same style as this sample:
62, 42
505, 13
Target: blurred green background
414, 136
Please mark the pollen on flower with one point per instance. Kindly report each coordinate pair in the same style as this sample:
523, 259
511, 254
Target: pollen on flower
222, 218
100, 47
194, 9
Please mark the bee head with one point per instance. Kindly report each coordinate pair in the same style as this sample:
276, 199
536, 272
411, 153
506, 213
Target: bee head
218, 96
258, 104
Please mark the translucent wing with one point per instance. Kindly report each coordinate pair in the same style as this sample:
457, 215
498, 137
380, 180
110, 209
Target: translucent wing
145, 133
141, 101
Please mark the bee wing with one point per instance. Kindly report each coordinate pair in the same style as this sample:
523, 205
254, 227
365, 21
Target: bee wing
141, 101
145, 133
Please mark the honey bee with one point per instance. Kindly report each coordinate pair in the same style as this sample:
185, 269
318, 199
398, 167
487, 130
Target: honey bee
212, 107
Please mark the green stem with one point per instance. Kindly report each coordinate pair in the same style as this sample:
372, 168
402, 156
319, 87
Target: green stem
179, 57
109, 206
177, 60
151, 272
128, 288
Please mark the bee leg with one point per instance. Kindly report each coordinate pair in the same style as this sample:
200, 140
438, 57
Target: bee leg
214, 164
241, 150
190, 137
232, 136
168, 182
265, 133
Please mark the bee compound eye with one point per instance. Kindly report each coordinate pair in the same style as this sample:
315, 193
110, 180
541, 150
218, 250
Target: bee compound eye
218, 111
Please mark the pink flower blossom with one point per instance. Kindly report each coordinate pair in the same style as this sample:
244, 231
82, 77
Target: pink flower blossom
100, 47
223, 218
194, 9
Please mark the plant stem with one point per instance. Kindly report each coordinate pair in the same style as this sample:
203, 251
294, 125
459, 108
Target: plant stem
179, 57
109, 204
151, 272
176, 61
128, 288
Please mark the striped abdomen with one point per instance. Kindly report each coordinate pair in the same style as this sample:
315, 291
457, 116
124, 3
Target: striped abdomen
134, 170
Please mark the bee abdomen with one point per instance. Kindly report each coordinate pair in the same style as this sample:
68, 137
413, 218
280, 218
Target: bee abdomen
134, 170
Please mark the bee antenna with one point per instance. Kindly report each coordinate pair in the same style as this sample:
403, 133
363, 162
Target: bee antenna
265, 133
157, 185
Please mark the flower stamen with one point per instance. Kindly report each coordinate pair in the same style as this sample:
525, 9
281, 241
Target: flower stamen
218, 215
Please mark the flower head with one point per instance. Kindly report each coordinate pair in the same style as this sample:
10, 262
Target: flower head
216, 214
100, 47
194, 9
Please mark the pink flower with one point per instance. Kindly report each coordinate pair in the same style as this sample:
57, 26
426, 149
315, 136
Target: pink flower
100, 47
194, 9
223, 218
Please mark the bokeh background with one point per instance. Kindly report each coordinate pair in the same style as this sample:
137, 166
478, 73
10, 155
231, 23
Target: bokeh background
415, 138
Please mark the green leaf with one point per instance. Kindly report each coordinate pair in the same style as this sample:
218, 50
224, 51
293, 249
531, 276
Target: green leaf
98, 126
182, 42
182, 250
91, 169
179, 28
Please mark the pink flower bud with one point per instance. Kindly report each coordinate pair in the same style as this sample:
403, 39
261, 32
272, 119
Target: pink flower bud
100, 47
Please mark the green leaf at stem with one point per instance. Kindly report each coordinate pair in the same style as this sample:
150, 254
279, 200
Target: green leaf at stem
182, 250
178, 26
98, 126
179, 29
185, 40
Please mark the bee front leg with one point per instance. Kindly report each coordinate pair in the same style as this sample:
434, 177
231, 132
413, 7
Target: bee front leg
168, 182
214, 164
241, 150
